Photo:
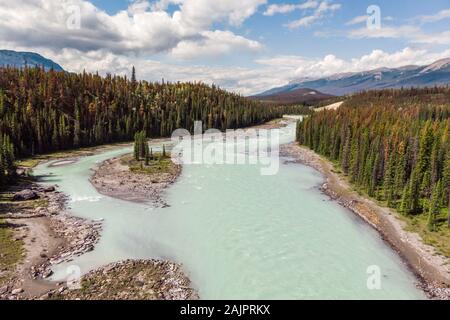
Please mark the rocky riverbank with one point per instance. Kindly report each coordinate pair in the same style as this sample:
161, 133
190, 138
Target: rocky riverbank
131, 280
113, 178
50, 236
431, 268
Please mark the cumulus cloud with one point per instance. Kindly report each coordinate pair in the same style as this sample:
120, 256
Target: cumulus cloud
112, 43
269, 72
214, 43
141, 29
323, 9
302, 67
286, 8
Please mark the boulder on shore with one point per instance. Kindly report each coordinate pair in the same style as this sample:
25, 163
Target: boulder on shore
49, 189
25, 195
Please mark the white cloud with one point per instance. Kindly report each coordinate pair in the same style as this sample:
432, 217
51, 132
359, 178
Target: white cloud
439, 38
385, 32
324, 8
303, 22
286, 8
141, 29
441, 15
357, 20
201, 13
113, 43
411, 33
214, 43
363, 19
302, 67
270, 72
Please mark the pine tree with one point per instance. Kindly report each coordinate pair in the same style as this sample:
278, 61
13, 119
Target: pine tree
133, 75
77, 129
389, 181
434, 208
446, 184
413, 200
142, 144
147, 155
136, 147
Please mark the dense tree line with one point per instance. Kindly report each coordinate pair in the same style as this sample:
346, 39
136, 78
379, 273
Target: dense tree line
48, 111
392, 144
7, 166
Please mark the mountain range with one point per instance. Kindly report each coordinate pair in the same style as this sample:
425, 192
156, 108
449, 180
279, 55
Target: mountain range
297, 96
308, 91
20, 59
435, 74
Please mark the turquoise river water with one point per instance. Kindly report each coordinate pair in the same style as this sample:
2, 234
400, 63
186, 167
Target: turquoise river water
240, 235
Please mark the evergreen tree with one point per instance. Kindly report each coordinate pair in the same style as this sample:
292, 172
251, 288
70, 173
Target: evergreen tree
389, 181
434, 207
77, 129
446, 184
136, 148
395, 141
133, 76
147, 154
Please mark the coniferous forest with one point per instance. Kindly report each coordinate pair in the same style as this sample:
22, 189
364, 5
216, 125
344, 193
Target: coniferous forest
44, 111
392, 144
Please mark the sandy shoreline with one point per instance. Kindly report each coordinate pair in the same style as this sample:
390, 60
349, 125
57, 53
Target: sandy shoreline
431, 269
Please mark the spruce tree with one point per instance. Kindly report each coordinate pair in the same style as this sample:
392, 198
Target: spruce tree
434, 207
147, 154
136, 147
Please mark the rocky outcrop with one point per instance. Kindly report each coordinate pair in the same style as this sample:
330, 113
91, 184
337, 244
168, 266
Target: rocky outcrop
25, 195
130, 280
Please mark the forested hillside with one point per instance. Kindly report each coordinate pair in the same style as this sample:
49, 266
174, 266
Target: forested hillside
48, 111
393, 145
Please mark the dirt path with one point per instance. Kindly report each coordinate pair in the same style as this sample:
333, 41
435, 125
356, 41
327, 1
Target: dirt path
40, 242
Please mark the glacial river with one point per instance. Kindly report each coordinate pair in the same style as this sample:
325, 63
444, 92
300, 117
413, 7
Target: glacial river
241, 235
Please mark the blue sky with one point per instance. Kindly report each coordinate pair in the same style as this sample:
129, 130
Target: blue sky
242, 45
279, 39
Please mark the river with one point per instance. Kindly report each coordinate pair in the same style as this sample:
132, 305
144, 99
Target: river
239, 234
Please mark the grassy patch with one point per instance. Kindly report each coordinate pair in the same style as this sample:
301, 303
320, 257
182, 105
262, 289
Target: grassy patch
157, 165
440, 239
10, 250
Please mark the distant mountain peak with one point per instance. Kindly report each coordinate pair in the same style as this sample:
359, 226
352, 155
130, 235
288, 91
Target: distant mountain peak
438, 65
22, 59
292, 97
435, 74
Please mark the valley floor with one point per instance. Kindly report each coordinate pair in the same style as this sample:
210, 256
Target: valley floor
49, 235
